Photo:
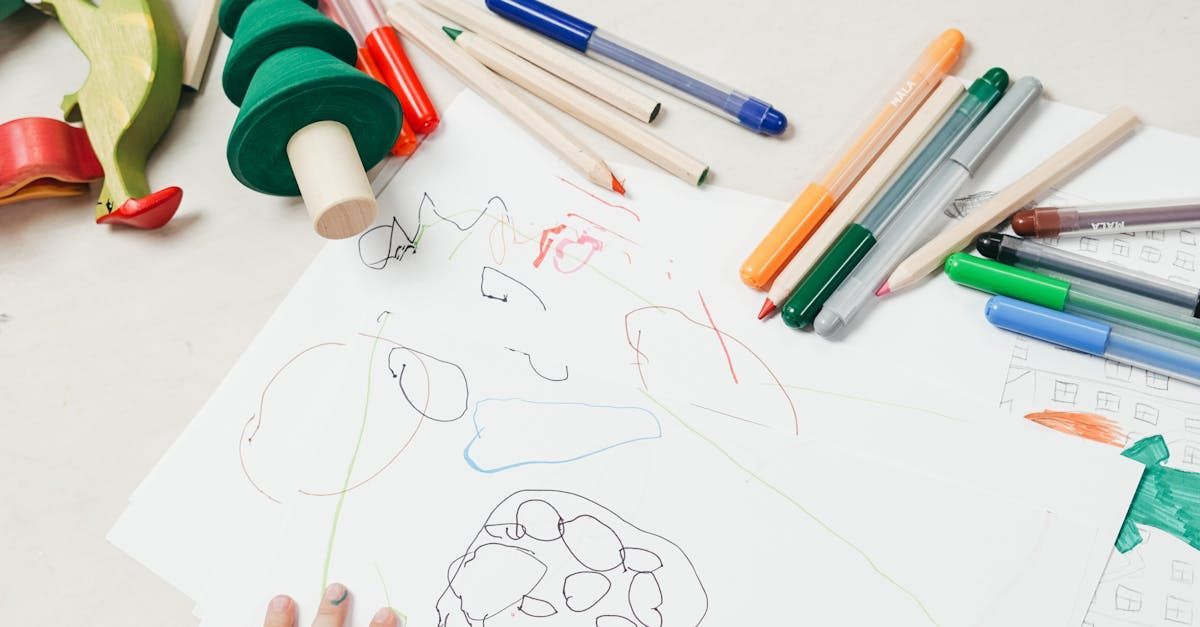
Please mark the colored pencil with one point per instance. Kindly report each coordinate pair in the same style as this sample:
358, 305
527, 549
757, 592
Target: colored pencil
1062, 164
581, 106
482, 80
553, 59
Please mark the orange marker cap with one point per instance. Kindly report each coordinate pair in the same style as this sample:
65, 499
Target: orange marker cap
818, 199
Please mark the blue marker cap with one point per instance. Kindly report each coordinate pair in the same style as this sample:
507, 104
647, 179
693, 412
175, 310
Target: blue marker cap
760, 116
549, 21
1048, 325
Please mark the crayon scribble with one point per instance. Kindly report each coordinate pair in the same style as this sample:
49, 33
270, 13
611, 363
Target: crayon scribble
246, 438
552, 239
514, 432
720, 337
633, 338
544, 243
601, 200
601, 227
1091, 426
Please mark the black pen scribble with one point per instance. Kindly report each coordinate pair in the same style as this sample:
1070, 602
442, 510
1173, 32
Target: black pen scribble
399, 244
399, 376
537, 540
566, 368
502, 296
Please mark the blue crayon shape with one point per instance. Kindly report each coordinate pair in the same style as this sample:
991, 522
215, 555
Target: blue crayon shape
713, 95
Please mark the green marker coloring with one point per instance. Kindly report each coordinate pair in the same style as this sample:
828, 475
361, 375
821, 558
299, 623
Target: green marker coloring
1166, 498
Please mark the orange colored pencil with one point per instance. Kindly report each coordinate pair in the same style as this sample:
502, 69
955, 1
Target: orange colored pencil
818, 199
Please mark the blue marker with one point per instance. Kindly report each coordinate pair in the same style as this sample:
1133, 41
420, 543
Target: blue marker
751, 113
1095, 338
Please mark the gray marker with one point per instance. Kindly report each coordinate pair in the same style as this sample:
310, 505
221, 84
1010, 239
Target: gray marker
924, 214
1048, 260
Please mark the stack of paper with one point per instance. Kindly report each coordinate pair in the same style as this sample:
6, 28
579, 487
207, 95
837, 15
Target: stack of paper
519, 400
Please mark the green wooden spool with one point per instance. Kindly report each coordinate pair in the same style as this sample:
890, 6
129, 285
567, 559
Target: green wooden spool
8, 7
231, 12
270, 26
297, 87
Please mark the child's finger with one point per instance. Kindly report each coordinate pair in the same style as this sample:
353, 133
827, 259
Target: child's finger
334, 607
385, 617
281, 612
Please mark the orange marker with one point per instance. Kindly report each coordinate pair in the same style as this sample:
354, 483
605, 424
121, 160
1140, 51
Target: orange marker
818, 199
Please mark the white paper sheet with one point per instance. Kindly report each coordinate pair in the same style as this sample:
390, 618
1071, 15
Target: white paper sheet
631, 289
798, 528
1155, 583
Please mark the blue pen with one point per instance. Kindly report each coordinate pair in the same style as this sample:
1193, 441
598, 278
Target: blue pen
751, 113
1095, 338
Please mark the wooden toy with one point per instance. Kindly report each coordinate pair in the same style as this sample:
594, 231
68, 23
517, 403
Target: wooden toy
127, 101
8, 7
199, 43
44, 158
310, 123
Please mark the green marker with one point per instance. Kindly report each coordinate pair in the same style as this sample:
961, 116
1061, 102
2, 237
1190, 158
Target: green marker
853, 244
1080, 298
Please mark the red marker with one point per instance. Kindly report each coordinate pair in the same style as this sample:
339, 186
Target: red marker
363, 18
406, 143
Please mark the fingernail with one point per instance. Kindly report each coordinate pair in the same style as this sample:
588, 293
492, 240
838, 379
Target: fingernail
383, 615
280, 603
336, 594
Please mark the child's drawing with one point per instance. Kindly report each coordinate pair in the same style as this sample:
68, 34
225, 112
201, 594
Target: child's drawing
554, 559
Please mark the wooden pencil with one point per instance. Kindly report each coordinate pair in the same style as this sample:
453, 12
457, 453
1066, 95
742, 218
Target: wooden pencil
582, 107
482, 80
1062, 164
198, 47
549, 57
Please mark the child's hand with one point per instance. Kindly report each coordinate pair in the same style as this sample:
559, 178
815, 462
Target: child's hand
281, 612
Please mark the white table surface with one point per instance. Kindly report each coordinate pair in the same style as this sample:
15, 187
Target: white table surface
110, 340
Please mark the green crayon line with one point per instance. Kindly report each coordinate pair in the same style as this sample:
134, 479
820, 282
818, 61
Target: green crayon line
809, 514
362, 429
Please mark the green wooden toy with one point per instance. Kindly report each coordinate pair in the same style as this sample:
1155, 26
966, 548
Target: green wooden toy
127, 100
310, 123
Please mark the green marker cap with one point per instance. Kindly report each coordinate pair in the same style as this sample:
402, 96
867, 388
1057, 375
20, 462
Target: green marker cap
990, 86
996, 278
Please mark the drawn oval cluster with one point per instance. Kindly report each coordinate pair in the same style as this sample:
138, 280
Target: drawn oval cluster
555, 559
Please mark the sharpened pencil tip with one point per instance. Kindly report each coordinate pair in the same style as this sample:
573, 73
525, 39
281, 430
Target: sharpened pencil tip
617, 186
452, 32
883, 290
768, 308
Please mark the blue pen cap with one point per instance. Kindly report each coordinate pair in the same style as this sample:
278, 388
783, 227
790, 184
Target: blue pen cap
758, 115
1048, 325
547, 20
